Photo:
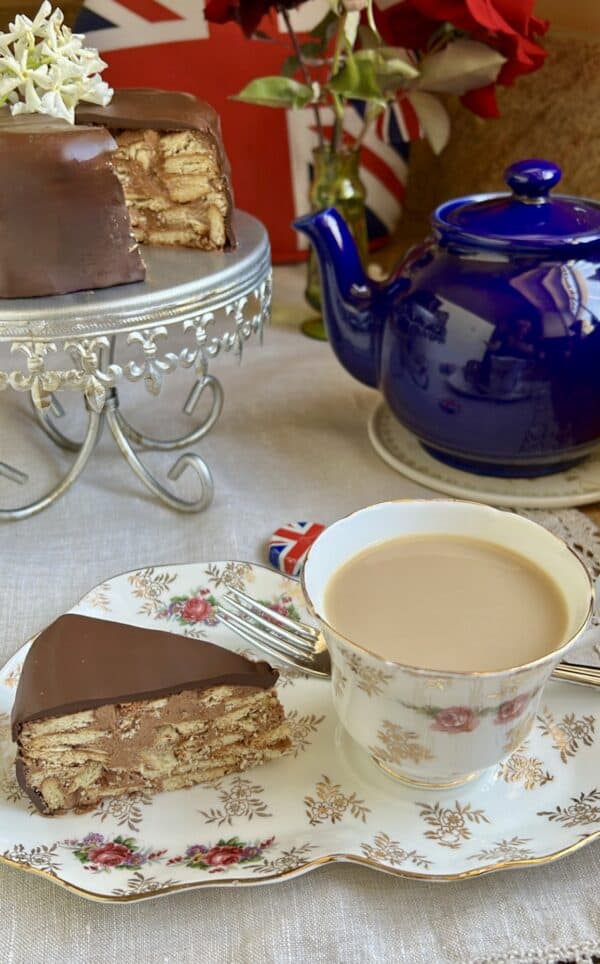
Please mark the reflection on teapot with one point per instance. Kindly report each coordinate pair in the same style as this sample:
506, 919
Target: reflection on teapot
500, 377
500, 304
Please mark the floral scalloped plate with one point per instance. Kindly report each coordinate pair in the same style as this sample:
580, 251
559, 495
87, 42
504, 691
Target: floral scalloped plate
324, 802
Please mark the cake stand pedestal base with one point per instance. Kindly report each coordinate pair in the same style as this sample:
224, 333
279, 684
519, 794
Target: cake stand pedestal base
126, 436
186, 291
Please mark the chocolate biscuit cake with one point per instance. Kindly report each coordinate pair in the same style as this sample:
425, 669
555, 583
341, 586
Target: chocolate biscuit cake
76, 200
104, 709
172, 165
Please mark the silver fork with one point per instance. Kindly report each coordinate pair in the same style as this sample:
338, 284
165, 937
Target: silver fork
294, 643
304, 647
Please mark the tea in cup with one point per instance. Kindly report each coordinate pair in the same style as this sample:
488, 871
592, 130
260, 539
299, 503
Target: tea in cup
444, 621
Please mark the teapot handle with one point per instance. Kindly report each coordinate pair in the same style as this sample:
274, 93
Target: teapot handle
532, 179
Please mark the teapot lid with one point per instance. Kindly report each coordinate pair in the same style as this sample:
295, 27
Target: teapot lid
528, 219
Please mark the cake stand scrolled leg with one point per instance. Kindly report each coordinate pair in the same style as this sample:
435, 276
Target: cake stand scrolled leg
15, 475
207, 383
83, 453
187, 460
59, 438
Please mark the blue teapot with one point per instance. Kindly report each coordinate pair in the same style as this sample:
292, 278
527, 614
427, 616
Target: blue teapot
485, 341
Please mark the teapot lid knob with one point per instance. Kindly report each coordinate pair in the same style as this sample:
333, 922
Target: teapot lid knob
532, 179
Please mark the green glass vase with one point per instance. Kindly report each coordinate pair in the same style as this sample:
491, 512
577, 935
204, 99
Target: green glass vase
336, 183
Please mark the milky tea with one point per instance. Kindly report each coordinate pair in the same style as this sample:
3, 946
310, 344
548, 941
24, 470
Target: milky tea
446, 602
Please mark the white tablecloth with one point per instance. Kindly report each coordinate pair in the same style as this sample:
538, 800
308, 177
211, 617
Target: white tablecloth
291, 444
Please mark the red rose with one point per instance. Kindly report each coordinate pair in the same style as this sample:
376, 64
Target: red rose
222, 856
511, 709
197, 609
248, 13
455, 719
507, 26
110, 855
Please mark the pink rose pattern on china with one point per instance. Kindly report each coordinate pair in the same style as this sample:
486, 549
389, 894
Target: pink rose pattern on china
511, 709
284, 605
455, 719
200, 607
464, 719
223, 854
97, 853
111, 855
197, 610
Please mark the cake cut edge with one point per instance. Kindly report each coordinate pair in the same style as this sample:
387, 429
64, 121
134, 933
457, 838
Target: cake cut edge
172, 164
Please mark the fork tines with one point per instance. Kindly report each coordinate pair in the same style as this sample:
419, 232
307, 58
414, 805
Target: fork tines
269, 630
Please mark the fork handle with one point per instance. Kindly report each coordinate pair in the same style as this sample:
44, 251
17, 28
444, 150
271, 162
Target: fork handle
585, 675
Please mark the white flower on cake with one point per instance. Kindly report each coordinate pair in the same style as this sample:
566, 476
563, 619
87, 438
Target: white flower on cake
45, 68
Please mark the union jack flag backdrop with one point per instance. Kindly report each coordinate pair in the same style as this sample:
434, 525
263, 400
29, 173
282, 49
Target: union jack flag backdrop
169, 44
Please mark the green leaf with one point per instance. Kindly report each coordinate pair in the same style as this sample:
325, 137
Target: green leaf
389, 60
369, 40
275, 92
127, 842
461, 66
290, 66
324, 30
391, 72
433, 118
312, 48
394, 61
357, 79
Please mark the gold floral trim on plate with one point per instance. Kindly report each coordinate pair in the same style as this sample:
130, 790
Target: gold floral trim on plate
315, 806
524, 769
330, 803
568, 734
451, 824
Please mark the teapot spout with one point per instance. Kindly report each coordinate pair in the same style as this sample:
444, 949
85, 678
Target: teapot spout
349, 299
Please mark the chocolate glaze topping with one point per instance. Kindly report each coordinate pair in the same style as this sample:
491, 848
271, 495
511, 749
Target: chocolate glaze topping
63, 220
79, 662
161, 110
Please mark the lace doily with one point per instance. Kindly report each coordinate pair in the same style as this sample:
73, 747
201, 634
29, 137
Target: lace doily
582, 535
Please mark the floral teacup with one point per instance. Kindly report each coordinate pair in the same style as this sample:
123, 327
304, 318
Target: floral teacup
439, 728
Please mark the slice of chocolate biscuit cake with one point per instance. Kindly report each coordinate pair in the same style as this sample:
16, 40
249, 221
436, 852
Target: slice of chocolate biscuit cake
104, 709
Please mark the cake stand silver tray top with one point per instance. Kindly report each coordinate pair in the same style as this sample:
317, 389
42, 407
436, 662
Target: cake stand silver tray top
215, 300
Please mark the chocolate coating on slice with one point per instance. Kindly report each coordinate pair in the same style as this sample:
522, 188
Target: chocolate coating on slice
64, 224
162, 110
79, 663
35, 797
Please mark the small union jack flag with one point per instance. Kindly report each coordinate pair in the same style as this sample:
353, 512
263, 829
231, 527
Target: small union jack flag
289, 545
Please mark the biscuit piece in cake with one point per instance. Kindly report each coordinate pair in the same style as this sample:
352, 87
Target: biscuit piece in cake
104, 709
173, 187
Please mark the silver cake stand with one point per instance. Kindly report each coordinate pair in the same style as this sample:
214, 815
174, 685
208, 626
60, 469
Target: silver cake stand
217, 301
